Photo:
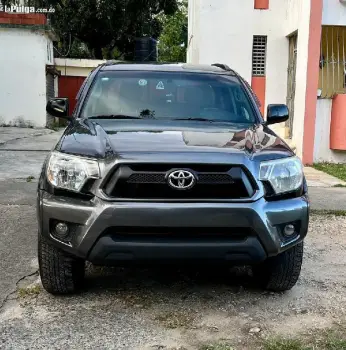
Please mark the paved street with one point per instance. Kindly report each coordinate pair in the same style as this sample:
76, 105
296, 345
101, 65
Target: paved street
23, 152
144, 309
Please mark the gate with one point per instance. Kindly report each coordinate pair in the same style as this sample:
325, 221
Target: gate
51, 74
50, 93
69, 87
291, 82
332, 79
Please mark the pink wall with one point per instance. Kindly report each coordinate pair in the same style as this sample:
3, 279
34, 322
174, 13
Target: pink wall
258, 85
338, 123
312, 80
261, 4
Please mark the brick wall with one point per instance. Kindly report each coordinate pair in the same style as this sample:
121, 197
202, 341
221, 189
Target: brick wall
23, 18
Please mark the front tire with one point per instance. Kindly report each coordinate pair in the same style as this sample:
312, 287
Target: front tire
60, 273
281, 273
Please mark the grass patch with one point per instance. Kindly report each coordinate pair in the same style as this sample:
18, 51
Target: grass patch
331, 340
29, 291
30, 178
218, 346
173, 320
328, 212
284, 344
54, 125
321, 340
337, 170
340, 185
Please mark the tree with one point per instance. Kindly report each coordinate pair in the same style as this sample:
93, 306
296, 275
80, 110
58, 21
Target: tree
107, 27
174, 36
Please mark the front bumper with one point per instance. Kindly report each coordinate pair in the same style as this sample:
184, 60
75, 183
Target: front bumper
95, 225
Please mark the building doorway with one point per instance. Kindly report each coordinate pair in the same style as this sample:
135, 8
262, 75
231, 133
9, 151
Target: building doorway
291, 83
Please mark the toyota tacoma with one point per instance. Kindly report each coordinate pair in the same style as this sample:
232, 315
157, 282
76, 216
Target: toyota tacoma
170, 164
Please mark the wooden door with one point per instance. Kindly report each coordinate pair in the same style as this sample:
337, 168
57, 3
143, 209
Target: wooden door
291, 83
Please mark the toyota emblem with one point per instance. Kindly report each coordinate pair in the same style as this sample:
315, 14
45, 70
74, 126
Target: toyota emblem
181, 179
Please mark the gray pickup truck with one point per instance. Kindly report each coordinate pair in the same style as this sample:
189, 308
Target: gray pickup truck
170, 164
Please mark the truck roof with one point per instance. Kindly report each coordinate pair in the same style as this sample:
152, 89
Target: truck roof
164, 67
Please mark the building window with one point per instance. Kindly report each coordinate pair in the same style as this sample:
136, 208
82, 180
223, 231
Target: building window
259, 55
48, 52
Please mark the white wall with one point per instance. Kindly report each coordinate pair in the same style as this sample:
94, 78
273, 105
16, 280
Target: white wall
302, 21
227, 33
222, 31
334, 13
76, 67
23, 58
322, 152
293, 16
193, 31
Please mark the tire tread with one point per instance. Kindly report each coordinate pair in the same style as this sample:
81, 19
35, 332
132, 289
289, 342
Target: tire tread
60, 273
282, 272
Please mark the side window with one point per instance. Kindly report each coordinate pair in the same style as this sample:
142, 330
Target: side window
242, 103
83, 86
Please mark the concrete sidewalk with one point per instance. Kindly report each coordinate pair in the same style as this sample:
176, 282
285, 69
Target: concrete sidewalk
22, 151
9, 135
316, 178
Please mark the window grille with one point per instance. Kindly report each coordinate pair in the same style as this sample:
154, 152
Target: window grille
259, 55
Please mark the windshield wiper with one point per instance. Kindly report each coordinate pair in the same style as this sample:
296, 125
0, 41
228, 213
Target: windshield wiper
114, 116
196, 119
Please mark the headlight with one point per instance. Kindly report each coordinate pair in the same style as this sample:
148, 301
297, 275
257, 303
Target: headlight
71, 172
285, 175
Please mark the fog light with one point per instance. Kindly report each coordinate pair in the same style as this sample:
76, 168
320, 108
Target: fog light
289, 230
61, 230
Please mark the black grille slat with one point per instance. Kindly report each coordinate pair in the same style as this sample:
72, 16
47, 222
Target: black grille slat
180, 233
147, 178
215, 178
162, 230
149, 181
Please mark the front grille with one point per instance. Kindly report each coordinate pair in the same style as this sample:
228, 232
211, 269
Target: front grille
149, 181
152, 178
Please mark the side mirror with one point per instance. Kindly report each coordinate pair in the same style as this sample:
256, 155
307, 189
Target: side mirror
277, 114
58, 107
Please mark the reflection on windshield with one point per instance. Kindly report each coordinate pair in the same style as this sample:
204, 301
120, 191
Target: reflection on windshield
147, 113
169, 95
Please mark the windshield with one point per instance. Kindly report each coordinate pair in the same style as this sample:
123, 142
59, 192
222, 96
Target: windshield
168, 95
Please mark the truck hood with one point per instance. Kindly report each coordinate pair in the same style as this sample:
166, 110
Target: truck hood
110, 138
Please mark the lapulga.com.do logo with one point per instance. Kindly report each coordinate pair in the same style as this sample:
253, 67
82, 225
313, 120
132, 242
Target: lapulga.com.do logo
24, 9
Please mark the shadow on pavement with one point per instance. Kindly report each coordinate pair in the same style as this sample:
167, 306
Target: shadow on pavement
169, 279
